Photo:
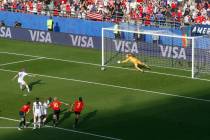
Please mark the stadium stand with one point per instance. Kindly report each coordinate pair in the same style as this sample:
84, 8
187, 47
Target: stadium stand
147, 12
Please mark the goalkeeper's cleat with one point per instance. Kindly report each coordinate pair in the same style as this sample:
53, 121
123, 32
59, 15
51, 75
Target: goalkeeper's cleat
141, 70
149, 68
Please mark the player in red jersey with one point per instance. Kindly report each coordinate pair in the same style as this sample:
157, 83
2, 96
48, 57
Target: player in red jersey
77, 107
22, 113
55, 105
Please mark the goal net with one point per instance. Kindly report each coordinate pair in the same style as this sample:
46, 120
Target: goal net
165, 52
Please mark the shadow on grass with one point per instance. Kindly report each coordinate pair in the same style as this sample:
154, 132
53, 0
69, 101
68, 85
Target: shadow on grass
66, 115
33, 83
169, 118
50, 116
87, 117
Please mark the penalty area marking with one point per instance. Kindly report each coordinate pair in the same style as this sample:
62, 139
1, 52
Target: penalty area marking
21, 61
60, 128
113, 86
9, 127
99, 65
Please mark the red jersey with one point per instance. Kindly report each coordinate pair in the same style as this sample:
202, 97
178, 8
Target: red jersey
199, 19
78, 106
25, 108
68, 8
55, 105
139, 1
173, 5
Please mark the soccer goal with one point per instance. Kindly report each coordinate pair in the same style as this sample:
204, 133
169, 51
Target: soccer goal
165, 52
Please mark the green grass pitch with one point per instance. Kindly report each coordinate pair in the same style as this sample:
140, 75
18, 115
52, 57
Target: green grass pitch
119, 103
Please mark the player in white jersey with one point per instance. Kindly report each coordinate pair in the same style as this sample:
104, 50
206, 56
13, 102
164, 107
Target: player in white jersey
21, 81
37, 111
44, 112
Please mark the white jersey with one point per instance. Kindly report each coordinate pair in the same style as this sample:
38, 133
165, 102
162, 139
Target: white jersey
21, 76
37, 108
44, 108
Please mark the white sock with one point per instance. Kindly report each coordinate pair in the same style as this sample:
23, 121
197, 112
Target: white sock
44, 120
21, 86
39, 122
35, 122
27, 88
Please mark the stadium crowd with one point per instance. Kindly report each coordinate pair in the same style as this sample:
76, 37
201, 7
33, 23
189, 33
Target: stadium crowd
147, 11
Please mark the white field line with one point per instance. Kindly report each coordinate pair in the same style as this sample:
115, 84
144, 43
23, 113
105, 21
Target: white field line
166, 74
21, 61
114, 86
8, 127
86, 63
57, 59
68, 130
99, 65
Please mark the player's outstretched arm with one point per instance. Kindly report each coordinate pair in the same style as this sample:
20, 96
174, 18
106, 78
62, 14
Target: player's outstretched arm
15, 77
125, 61
32, 75
28, 111
71, 107
65, 103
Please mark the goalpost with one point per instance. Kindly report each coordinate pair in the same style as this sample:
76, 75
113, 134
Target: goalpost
166, 52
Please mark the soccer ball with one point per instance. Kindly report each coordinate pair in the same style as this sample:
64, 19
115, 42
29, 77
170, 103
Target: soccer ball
102, 68
118, 62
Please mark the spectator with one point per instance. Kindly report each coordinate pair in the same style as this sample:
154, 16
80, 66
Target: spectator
116, 10
116, 31
2, 24
17, 24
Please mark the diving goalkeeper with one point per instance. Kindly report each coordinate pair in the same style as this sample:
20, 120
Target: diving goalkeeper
136, 62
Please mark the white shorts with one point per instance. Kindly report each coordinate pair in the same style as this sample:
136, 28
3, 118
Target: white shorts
44, 113
22, 82
37, 114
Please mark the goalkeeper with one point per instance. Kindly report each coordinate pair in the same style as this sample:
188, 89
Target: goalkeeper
137, 63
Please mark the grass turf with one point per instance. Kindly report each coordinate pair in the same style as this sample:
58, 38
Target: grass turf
125, 113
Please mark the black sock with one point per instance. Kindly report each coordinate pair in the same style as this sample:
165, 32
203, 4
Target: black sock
24, 122
57, 117
20, 123
76, 121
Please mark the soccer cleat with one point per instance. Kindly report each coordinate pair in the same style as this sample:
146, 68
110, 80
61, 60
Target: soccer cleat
20, 129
